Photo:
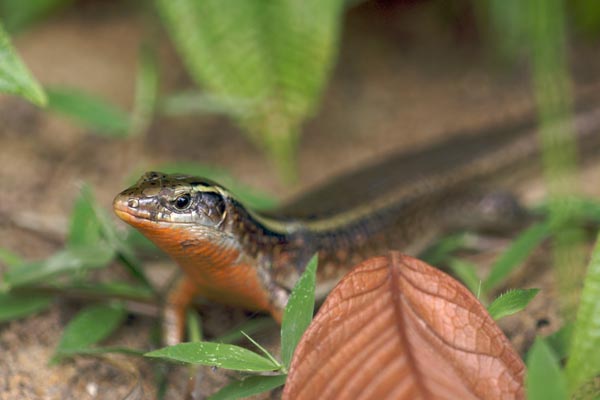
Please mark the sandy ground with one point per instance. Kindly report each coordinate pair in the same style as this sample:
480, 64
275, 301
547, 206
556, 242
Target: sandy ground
401, 81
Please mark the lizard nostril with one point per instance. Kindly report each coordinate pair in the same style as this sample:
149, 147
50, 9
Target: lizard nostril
133, 203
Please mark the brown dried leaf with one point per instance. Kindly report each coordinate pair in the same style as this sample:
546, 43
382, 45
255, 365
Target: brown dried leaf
397, 328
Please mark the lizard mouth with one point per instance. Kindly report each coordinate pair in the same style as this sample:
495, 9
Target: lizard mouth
129, 210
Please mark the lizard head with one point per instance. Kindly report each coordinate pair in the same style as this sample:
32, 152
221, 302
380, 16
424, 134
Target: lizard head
159, 199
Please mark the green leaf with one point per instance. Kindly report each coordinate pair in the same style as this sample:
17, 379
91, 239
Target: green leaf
467, 272
274, 54
107, 290
249, 387
584, 359
511, 302
9, 258
90, 326
84, 228
15, 78
91, 111
560, 341
194, 326
253, 198
13, 306
299, 311
265, 352
67, 260
518, 251
18, 14
193, 102
215, 354
123, 249
146, 88
92, 351
439, 252
545, 380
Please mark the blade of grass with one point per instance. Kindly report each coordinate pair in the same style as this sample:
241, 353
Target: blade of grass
84, 227
93, 351
516, 254
90, 326
560, 341
146, 88
124, 252
91, 111
105, 290
9, 258
19, 14
215, 355
264, 351
584, 359
192, 102
13, 306
467, 272
15, 78
194, 326
444, 248
545, 380
299, 311
249, 386
511, 302
69, 260
250, 327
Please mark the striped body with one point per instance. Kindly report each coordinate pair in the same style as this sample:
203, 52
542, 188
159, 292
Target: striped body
236, 256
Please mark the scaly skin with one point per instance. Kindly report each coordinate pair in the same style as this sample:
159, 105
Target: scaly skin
233, 255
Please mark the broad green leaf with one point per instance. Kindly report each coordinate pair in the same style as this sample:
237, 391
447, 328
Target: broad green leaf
249, 386
511, 302
15, 78
299, 311
518, 251
91, 111
18, 14
146, 88
545, 380
13, 306
252, 198
584, 358
67, 260
90, 326
274, 54
215, 354
84, 229
467, 272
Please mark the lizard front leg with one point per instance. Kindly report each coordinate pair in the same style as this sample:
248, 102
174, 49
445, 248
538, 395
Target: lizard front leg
178, 298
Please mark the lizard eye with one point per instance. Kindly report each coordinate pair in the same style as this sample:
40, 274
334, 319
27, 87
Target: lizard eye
182, 202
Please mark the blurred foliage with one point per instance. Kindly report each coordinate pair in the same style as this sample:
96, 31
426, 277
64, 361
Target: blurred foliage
265, 63
14, 75
274, 55
18, 14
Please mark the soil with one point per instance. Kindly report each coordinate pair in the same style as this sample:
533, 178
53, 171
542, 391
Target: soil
402, 80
